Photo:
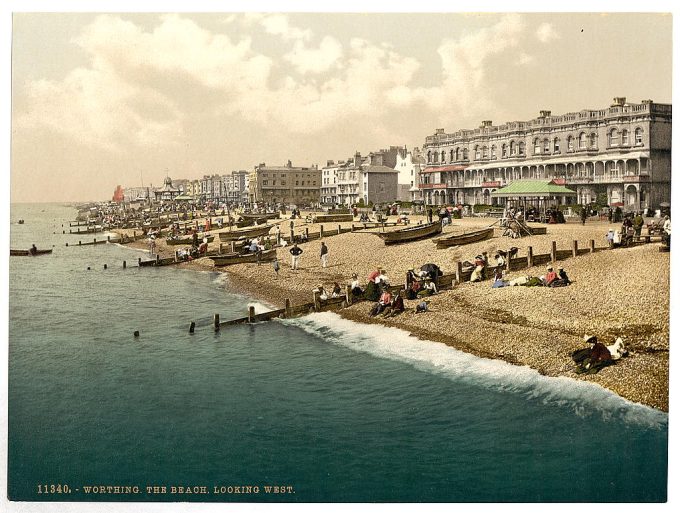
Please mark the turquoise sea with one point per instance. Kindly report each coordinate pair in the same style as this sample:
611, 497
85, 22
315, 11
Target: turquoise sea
316, 409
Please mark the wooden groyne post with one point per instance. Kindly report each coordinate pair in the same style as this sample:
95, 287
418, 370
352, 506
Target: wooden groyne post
288, 308
316, 300
592, 245
216, 322
251, 314
553, 252
320, 232
574, 248
530, 256
459, 272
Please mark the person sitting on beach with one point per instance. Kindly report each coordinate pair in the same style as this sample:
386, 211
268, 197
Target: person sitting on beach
398, 304
355, 287
549, 277
323, 295
414, 288
500, 260
498, 280
422, 307
384, 301
381, 279
374, 274
561, 280
372, 292
253, 247
429, 288
591, 360
337, 291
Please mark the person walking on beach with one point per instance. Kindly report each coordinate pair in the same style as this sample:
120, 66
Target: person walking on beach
295, 251
429, 215
324, 255
276, 267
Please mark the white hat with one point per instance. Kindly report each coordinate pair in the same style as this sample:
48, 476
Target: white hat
589, 338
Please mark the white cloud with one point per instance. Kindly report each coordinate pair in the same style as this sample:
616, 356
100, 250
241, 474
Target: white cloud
315, 60
546, 32
277, 24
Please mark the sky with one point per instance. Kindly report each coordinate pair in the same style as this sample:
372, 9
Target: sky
100, 100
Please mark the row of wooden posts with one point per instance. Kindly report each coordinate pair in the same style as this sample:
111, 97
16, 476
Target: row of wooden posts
443, 282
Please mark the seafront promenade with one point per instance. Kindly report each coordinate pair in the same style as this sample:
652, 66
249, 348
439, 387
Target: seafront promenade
621, 292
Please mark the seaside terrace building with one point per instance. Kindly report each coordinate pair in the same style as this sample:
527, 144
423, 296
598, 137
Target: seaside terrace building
285, 184
623, 151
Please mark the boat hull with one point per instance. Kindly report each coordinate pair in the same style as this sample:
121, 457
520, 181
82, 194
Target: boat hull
333, 218
236, 258
26, 252
464, 238
412, 233
187, 240
257, 231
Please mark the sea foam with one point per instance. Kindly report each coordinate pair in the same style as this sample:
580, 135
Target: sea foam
583, 398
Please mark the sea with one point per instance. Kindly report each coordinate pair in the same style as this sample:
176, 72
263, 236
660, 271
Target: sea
314, 409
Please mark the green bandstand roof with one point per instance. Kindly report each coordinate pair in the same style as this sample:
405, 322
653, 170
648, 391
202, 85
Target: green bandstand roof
532, 189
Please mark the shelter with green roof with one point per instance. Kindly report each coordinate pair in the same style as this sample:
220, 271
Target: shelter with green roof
539, 194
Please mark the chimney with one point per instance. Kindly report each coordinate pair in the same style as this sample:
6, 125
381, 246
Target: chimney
619, 101
329, 163
289, 163
376, 159
486, 123
645, 102
545, 114
438, 131
357, 158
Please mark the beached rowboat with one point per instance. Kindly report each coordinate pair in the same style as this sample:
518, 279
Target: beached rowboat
188, 240
238, 258
255, 231
412, 233
270, 215
333, 218
459, 239
27, 252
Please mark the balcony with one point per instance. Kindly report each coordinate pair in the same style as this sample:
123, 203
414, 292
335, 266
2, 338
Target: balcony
432, 186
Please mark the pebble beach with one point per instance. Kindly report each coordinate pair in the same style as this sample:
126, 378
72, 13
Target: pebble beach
623, 292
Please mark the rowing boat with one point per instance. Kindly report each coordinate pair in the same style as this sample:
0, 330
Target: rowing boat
333, 218
459, 239
412, 233
27, 252
255, 231
270, 215
187, 240
238, 258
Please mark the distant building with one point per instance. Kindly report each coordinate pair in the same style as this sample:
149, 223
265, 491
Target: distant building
168, 192
623, 152
287, 184
408, 164
329, 185
366, 179
136, 193
118, 195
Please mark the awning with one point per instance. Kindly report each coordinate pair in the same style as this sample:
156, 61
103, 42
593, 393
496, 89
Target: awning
532, 189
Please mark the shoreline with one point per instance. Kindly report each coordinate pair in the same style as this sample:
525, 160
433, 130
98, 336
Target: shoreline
613, 295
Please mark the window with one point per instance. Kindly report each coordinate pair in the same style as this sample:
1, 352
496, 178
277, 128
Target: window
283, 182
570, 143
638, 136
593, 140
443, 157
303, 183
546, 146
457, 154
478, 154
451, 159
297, 183
485, 152
582, 141
493, 151
465, 153
429, 157
614, 137
513, 147
273, 182
504, 151
556, 145
265, 182
537, 147
521, 148
624, 137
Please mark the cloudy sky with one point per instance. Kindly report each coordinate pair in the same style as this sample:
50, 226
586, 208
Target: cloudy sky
105, 99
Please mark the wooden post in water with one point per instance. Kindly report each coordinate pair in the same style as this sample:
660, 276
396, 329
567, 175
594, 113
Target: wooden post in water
316, 300
321, 231
124, 264
139, 262
553, 252
574, 248
192, 326
158, 258
592, 245
251, 314
108, 238
530, 256
216, 322
94, 241
288, 309
134, 234
459, 272
80, 242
